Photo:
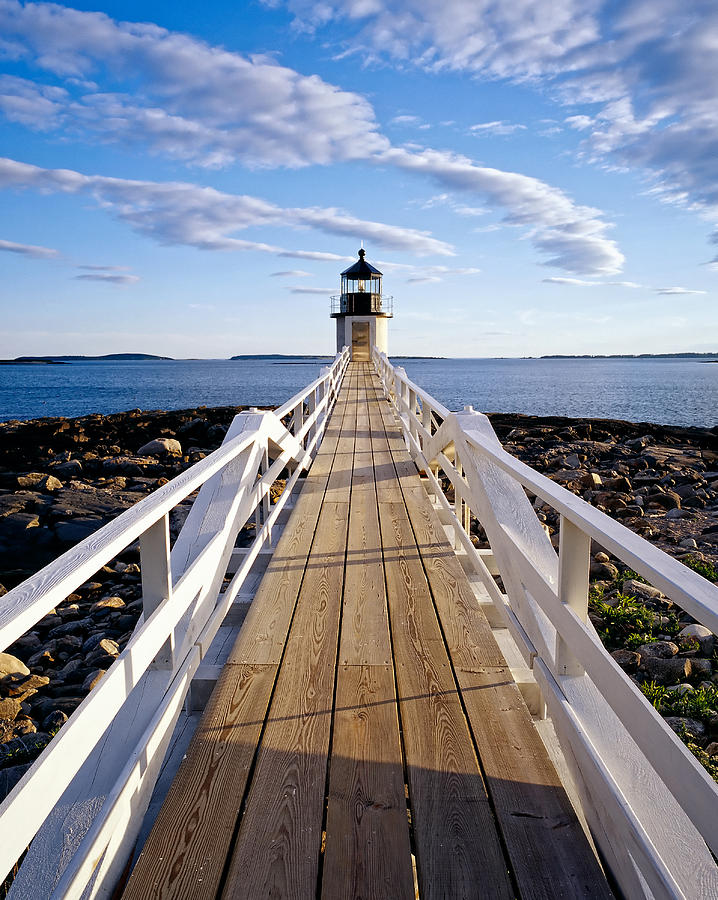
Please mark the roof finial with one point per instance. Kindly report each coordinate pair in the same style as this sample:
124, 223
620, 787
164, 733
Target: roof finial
362, 252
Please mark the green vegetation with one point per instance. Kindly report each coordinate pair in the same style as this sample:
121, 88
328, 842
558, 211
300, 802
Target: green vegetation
706, 569
625, 622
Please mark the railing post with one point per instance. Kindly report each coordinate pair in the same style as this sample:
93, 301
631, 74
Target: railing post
573, 579
322, 390
311, 412
412, 415
298, 418
266, 499
157, 580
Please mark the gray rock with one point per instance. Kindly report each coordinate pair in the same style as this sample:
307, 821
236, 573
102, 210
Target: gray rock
54, 721
161, 447
11, 665
603, 571
10, 708
107, 605
666, 671
92, 679
9, 778
704, 636
23, 749
70, 469
682, 723
700, 668
639, 589
73, 531
658, 650
104, 654
628, 660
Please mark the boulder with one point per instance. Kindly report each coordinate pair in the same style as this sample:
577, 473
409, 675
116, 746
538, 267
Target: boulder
628, 660
658, 650
704, 636
694, 727
666, 671
161, 447
11, 665
640, 590
69, 469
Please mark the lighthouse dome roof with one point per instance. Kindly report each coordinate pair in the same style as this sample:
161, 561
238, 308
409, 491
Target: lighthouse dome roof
361, 268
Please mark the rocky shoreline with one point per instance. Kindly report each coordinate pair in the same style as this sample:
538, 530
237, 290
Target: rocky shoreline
61, 479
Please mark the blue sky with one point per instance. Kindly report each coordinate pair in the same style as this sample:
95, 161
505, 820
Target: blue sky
533, 176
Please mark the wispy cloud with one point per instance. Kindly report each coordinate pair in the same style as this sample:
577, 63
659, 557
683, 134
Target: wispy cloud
206, 105
176, 93
312, 290
579, 282
181, 213
678, 290
29, 250
496, 128
573, 237
291, 273
108, 278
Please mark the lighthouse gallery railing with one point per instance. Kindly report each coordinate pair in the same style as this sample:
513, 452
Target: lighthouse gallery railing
72, 798
652, 808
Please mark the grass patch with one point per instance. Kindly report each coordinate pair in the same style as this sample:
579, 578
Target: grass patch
706, 569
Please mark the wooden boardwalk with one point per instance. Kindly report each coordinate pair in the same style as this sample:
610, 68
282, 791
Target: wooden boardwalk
365, 739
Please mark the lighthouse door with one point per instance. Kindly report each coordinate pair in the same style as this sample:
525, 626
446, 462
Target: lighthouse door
360, 341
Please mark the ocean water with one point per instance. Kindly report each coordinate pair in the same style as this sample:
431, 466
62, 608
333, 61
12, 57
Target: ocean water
668, 391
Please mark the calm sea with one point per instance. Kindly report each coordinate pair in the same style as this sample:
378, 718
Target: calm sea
669, 391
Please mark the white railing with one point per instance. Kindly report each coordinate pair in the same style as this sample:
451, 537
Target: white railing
652, 808
84, 798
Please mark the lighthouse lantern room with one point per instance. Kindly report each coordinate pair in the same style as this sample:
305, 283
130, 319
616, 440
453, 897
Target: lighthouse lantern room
361, 310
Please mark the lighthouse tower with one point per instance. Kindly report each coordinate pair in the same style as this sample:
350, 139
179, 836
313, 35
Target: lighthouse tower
361, 311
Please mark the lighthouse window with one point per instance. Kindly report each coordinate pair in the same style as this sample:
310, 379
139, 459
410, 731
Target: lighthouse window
362, 284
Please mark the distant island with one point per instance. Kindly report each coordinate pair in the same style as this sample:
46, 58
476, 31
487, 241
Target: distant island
58, 360
627, 356
282, 356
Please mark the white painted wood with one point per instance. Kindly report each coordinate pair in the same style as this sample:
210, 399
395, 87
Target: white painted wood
126, 804
78, 772
651, 805
157, 579
574, 557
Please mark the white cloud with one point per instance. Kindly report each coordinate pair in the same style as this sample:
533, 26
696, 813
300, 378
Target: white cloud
524, 38
291, 273
28, 250
312, 290
203, 104
677, 290
573, 237
649, 69
406, 120
180, 213
108, 278
496, 128
579, 282
182, 96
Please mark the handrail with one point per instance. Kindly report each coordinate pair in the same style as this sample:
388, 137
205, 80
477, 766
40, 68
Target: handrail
622, 753
183, 609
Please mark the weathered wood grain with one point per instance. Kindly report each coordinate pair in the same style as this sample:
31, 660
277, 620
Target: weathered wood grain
367, 852
457, 843
278, 847
186, 850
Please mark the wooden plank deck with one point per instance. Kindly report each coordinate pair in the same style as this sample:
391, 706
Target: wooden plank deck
365, 739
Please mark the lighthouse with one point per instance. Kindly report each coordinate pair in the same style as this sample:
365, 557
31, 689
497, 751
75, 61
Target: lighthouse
361, 310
